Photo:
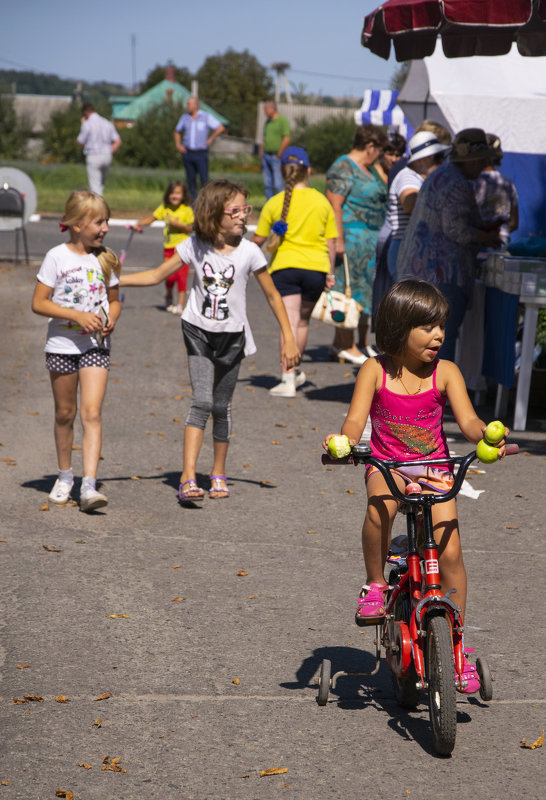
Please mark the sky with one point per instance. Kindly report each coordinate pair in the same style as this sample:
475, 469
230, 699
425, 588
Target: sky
320, 39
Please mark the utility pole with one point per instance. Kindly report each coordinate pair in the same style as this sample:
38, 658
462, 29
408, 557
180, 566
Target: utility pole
133, 61
280, 67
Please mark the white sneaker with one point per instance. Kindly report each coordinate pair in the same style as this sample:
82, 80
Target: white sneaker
176, 310
60, 494
286, 388
90, 499
301, 377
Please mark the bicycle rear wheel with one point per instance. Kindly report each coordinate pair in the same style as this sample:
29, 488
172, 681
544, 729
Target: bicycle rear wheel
441, 685
405, 689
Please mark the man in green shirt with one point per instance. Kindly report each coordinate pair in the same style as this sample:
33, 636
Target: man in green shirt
276, 139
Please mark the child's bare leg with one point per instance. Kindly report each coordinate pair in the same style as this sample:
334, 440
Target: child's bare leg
376, 530
65, 395
181, 299
219, 487
446, 535
193, 439
292, 304
93, 382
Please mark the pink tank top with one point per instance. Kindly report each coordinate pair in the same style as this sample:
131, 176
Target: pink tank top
408, 427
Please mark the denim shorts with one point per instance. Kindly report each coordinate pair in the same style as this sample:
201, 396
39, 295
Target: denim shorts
293, 280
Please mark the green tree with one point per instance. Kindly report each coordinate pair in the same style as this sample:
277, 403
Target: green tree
182, 75
13, 132
150, 142
60, 135
325, 141
233, 84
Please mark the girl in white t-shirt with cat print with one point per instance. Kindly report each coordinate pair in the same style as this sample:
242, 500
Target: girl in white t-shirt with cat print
214, 323
77, 288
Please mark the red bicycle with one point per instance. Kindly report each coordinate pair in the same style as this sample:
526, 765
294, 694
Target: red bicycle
422, 631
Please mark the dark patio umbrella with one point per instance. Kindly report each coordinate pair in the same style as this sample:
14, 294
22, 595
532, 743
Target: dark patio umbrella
467, 27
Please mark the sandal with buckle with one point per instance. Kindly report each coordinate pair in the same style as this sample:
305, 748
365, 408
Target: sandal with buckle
469, 681
193, 492
218, 492
371, 604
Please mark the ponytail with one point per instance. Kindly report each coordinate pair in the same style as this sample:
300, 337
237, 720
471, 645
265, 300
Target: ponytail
292, 174
109, 262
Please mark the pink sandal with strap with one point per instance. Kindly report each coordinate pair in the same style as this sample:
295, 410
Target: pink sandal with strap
371, 604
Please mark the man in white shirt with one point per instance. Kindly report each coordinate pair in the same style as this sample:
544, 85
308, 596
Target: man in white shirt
192, 139
99, 140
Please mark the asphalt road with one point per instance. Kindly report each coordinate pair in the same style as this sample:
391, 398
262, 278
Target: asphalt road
210, 672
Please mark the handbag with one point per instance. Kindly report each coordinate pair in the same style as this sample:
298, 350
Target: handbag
338, 308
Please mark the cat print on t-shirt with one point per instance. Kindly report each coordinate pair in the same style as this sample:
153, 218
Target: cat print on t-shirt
217, 284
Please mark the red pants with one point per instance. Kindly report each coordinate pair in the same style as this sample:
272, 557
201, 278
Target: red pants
180, 277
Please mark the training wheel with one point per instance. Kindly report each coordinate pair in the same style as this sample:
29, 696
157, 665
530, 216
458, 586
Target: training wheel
486, 681
324, 681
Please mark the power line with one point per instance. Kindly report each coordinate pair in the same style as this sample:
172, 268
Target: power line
339, 77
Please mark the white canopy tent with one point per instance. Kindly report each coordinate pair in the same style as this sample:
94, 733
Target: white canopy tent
505, 95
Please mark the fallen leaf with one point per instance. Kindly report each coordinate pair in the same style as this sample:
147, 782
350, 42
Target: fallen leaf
33, 413
112, 764
346, 374
539, 742
135, 478
250, 389
176, 419
118, 616
236, 681
511, 527
45, 507
267, 483
97, 723
76, 447
251, 596
28, 698
23, 666
527, 453
177, 599
246, 775
8, 460
84, 765
62, 699
177, 566
518, 495
275, 441
51, 549
280, 425
64, 793
104, 696
310, 531
273, 771
5, 783
3, 540
248, 464
349, 491
241, 573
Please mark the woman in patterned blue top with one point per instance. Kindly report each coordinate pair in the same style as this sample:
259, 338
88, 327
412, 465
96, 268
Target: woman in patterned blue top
359, 199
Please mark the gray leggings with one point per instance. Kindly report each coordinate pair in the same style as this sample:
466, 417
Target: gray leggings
212, 389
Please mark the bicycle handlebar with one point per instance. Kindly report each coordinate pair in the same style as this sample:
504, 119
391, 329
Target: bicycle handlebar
361, 454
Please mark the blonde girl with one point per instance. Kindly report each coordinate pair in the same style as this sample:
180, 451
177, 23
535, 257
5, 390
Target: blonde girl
214, 323
404, 392
301, 225
77, 288
177, 213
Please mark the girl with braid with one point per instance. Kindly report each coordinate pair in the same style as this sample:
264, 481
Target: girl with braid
302, 235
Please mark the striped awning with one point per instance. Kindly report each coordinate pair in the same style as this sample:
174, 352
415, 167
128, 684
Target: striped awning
379, 107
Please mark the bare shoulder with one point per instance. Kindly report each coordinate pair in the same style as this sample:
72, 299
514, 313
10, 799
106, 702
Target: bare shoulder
447, 373
371, 371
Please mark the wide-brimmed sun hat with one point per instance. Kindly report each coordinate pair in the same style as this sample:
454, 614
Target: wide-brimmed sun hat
424, 144
471, 144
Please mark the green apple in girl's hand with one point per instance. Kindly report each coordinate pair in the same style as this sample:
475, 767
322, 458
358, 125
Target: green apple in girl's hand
339, 446
494, 432
486, 453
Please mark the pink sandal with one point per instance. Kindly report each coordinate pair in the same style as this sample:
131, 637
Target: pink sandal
371, 604
470, 680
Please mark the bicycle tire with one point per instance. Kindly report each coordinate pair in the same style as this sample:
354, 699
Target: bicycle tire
486, 681
324, 681
405, 689
441, 685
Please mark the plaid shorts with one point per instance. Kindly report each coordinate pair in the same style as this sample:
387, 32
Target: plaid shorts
66, 363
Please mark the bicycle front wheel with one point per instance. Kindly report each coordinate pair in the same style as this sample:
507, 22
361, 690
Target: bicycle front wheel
441, 685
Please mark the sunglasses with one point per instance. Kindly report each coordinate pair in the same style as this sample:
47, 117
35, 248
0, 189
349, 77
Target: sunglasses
238, 211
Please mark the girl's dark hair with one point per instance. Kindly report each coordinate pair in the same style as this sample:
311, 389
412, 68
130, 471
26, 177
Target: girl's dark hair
396, 144
405, 306
186, 199
369, 134
209, 207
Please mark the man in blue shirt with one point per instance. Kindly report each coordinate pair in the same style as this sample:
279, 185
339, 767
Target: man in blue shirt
192, 139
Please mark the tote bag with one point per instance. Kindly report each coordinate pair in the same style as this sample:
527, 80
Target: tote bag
338, 308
